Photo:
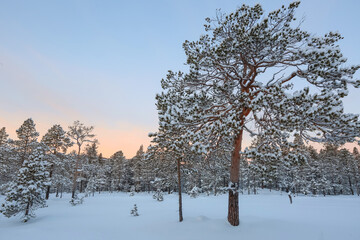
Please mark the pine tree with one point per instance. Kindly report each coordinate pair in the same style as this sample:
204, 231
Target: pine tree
3, 136
57, 140
127, 175
226, 92
158, 195
90, 167
216, 164
134, 211
349, 171
80, 134
27, 135
8, 160
163, 169
62, 174
115, 165
91, 152
27, 193
137, 163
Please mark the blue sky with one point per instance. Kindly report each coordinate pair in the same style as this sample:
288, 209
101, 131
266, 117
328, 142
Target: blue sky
101, 62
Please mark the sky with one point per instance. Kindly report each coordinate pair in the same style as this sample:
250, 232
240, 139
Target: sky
101, 62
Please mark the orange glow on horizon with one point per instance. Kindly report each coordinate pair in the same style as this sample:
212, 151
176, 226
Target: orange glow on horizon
123, 137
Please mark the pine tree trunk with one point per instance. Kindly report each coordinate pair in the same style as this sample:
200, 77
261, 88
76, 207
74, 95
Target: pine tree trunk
179, 189
81, 186
233, 211
23, 156
357, 186
290, 198
74, 182
350, 185
233, 208
27, 210
48, 187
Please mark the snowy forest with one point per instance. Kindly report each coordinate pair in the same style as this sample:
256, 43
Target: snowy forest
253, 77
33, 167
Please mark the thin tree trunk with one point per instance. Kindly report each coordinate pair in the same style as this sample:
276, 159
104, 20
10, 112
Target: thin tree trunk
179, 189
233, 208
48, 187
81, 186
290, 198
22, 158
50, 176
357, 185
27, 209
350, 185
75, 174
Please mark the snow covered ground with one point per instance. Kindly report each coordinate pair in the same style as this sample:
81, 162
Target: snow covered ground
265, 216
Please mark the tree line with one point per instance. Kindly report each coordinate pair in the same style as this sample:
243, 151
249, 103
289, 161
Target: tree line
32, 169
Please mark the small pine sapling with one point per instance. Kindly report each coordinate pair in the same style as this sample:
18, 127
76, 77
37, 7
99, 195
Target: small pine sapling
194, 192
290, 198
132, 191
134, 211
158, 195
76, 200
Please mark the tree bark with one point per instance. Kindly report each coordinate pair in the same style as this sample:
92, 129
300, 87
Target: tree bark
233, 208
233, 211
179, 189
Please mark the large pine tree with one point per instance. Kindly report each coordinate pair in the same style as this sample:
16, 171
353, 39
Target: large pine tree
241, 79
